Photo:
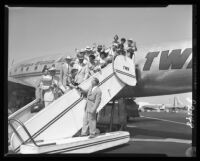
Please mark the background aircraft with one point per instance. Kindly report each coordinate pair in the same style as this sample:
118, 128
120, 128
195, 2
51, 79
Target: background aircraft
146, 106
177, 105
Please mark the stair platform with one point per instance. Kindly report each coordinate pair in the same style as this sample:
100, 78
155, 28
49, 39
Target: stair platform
77, 144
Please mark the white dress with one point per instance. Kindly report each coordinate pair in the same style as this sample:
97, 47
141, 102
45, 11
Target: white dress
46, 82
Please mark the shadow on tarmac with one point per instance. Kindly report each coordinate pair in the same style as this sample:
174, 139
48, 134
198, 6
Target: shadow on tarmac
157, 133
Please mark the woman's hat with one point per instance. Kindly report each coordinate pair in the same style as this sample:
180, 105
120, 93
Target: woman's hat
68, 57
82, 50
131, 40
88, 48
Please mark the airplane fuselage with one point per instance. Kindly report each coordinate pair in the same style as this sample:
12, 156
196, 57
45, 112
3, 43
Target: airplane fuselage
160, 70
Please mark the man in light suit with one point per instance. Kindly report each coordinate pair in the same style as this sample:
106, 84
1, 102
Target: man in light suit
65, 72
93, 100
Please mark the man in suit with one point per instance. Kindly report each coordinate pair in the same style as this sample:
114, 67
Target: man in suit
93, 100
65, 72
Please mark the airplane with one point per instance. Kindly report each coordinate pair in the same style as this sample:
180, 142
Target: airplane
146, 106
162, 69
177, 105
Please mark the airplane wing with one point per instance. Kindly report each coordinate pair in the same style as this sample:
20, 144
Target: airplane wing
13, 80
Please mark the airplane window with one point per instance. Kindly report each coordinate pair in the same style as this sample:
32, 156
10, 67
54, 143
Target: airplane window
36, 67
22, 69
27, 68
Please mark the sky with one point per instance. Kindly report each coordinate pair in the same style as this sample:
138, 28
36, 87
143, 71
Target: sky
35, 31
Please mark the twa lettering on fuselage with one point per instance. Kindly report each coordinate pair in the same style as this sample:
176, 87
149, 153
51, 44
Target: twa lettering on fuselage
174, 59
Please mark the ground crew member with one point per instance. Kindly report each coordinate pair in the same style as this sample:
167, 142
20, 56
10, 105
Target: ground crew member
82, 72
93, 101
58, 89
65, 73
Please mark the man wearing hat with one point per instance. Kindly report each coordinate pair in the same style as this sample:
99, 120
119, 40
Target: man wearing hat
131, 48
93, 65
88, 52
65, 72
82, 52
82, 72
94, 95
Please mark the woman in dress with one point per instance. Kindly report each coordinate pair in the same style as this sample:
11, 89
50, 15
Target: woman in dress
46, 85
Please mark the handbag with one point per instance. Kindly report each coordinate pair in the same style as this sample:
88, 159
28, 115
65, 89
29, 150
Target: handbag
38, 106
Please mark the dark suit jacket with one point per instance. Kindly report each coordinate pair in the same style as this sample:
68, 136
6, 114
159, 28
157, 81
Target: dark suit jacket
93, 100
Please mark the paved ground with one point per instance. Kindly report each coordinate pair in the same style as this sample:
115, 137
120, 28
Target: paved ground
156, 134
164, 134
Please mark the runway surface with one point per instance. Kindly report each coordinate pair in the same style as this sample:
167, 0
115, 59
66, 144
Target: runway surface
159, 133
155, 134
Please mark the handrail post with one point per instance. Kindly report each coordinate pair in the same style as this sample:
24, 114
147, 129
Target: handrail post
111, 116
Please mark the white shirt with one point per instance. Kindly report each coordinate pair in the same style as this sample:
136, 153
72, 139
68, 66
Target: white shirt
94, 88
79, 66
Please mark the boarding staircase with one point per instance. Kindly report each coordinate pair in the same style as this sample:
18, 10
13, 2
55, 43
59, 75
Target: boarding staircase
22, 115
63, 118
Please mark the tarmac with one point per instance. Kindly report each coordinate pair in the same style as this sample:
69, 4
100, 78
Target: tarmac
156, 134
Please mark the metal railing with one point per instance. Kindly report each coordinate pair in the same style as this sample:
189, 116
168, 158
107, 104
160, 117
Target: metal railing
29, 105
25, 129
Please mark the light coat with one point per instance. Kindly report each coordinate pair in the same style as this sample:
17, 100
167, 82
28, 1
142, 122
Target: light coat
93, 100
65, 74
89, 118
